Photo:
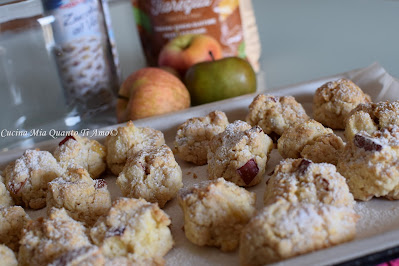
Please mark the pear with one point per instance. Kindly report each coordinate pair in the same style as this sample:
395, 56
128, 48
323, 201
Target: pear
220, 79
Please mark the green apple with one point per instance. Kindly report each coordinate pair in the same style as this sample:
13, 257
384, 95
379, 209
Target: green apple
220, 79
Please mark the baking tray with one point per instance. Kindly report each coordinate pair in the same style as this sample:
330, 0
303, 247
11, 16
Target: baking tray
377, 229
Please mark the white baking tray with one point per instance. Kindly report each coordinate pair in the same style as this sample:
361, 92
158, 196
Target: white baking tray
378, 228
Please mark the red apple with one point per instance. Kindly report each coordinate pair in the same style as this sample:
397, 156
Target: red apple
184, 51
150, 91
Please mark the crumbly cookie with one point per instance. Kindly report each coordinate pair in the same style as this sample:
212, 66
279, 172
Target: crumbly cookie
12, 220
27, 177
239, 154
5, 198
275, 114
135, 228
152, 174
83, 256
370, 164
83, 152
301, 180
83, 198
283, 230
44, 240
130, 139
7, 256
371, 117
193, 136
334, 100
310, 140
215, 213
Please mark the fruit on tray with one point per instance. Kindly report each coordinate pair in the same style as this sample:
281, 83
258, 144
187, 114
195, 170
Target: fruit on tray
148, 92
184, 51
220, 79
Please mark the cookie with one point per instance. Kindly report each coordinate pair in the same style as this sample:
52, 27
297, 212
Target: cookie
12, 220
370, 164
152, 174
334, 100
215, 213
83, 256
130, 139
7, 256
275, 114
5, 198
310, 140
27, 178
193, 136
301, 180
239, 154
83, 198
82, 152
133, 228
371, 117
283, 230
45, 240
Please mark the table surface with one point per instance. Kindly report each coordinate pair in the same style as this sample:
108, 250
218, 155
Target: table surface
301, 40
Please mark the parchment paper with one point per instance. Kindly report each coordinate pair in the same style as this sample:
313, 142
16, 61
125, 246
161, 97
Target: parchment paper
378, 216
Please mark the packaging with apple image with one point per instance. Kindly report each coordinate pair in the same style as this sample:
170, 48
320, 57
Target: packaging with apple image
231, 22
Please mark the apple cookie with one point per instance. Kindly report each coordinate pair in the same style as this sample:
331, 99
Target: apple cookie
371, 117
27, 177
239, 154
275, 114
83, 198
334, 100
193, 136
12, 220
133, 228
300, 180
215, 213
310, 140
5, 197
371, 164
7, 256
152, 174
82, 152
283, 230
130, 139
44, 240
